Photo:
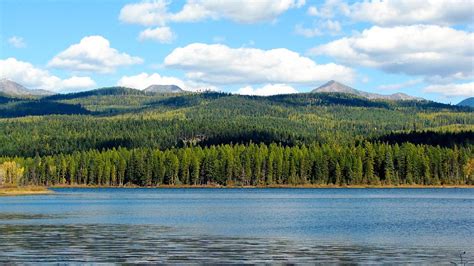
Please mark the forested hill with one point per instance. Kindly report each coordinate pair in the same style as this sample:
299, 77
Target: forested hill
124, 117
56, 137
467, 102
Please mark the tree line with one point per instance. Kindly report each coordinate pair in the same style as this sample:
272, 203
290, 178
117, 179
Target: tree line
249, 165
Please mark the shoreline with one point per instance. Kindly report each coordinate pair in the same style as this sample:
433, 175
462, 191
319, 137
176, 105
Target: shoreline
25, 191
272, 186
36, 190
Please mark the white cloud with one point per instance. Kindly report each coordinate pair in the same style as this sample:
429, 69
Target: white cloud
414, 50
143, 80
93, 53
458, 77
150, 13
313, 11
402, 85
452, 90
159, 34
220, 64
76, 83
35, 78
407, 12
269, 89
320, 28
146, 13
243, 11
329, 9
333, 26
156, 13
17, 42
398, 12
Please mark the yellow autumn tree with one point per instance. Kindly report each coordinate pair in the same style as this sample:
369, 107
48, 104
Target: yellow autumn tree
469, 170
10, 173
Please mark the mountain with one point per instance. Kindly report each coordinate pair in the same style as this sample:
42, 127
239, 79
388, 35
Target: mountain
12, 88
467, 102
336, 87
164, 89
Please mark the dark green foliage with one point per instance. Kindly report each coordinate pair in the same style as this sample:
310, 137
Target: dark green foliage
122, 117
445, 139
311, 99
117, 136
40, 107
364, 164
7, 98
111, 91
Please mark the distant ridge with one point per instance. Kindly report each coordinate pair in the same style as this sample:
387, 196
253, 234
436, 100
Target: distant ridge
107, 91
12, 88
467, 102
336, 87
163, 89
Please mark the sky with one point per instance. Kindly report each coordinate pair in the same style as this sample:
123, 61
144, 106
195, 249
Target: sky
260, 47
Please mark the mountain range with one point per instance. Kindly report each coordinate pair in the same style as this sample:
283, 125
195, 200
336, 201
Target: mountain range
336, 87
12, 88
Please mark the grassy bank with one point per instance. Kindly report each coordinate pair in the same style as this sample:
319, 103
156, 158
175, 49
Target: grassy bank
21, 191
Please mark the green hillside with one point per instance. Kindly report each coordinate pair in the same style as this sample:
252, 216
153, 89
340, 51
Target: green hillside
82, 128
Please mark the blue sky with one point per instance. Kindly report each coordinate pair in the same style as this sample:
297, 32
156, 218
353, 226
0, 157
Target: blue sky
423, 48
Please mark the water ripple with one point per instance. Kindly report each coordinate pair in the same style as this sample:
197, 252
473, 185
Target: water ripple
118, 243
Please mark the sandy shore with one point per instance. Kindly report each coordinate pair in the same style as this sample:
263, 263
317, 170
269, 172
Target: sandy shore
22, 191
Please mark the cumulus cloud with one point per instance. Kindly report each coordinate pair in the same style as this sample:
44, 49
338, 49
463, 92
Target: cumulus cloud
414, 50
269, 89
220, 64
406, 12
76, 83
146, 13
36, 78
17, 42
398, 12
329, 9
143, 80
92, 53
452, 90
159, 34
150, 13
156, 13
243, 11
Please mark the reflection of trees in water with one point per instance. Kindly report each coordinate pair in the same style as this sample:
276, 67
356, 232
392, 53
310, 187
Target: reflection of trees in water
147, 243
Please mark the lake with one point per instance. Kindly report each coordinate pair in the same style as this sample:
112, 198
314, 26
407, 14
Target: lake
239, 226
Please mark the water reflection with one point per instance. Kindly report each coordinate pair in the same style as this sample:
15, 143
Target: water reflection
26, 216
149, 243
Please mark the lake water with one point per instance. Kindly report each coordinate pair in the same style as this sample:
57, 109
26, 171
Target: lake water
239, 225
